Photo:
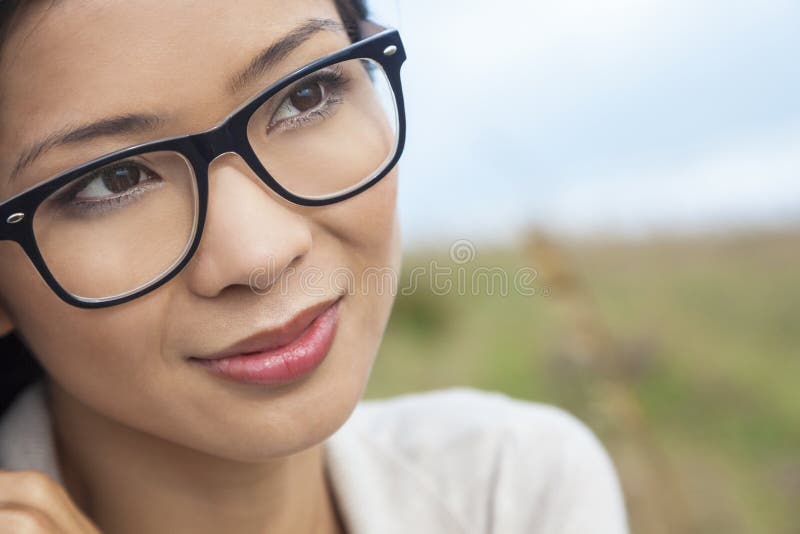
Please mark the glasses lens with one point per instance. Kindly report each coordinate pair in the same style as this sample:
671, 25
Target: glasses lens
329, 132
119, 228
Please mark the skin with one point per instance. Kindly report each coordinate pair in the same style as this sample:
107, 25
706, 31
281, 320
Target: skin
195, 451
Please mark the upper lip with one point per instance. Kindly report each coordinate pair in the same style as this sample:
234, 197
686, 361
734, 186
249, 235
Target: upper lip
271, 338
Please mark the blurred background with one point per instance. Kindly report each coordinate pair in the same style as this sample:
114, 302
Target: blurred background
610, 193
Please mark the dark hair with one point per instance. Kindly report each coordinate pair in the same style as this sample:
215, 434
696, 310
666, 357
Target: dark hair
18, 367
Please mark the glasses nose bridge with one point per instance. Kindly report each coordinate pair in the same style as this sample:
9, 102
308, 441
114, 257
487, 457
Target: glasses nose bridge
216, 142
224, 140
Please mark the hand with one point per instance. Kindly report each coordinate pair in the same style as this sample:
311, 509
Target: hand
31, 502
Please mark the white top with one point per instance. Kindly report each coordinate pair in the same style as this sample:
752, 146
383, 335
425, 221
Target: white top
458, 461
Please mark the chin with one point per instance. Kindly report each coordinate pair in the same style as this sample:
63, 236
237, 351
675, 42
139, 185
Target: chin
254, 425
270, 432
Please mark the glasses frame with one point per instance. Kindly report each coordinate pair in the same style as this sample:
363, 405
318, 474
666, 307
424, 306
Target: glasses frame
382, 45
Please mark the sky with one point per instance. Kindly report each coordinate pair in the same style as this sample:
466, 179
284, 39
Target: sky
591, 117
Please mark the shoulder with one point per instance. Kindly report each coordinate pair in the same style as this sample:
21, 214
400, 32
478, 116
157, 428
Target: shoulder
510, 464
26, 440
440, 416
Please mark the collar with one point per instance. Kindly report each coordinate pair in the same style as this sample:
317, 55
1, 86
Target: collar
376, 489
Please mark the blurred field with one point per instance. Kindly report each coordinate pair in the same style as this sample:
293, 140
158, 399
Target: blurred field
682, 354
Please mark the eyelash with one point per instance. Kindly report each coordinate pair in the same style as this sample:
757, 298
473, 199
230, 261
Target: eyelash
334, 83
66, 199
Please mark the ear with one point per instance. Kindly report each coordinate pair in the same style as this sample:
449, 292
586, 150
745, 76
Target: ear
6, 326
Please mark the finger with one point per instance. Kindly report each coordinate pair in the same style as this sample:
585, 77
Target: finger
18, 519
30, 488
36, 490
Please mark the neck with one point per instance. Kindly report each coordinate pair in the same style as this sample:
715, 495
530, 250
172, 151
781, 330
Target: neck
128, 481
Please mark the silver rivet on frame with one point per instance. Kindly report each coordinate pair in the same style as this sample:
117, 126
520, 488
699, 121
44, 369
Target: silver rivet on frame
390, 50
15, 218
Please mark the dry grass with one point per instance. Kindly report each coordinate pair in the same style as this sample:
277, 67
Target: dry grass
683, 354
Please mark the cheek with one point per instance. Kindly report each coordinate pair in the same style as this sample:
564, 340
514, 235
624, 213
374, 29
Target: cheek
76, 346
366, 231
367, 223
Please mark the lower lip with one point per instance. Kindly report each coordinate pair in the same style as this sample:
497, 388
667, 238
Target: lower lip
284, 364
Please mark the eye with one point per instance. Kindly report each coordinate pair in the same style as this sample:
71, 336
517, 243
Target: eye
307, 97
303, 98
112, 181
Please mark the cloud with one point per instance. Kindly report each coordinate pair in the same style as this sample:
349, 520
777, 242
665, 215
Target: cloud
523, 108
756, 181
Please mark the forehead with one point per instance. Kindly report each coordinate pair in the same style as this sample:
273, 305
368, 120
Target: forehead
77, 60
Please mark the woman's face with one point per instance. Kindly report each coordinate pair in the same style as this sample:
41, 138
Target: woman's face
78, 62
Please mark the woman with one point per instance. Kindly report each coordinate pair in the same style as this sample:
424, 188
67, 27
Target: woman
193, 195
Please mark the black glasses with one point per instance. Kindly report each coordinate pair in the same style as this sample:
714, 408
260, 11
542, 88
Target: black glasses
121, 225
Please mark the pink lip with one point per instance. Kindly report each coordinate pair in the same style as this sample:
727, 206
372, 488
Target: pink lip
279, 356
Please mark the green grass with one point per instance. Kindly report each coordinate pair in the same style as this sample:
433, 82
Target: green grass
714, 322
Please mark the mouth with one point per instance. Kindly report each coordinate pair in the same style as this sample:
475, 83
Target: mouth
279, 355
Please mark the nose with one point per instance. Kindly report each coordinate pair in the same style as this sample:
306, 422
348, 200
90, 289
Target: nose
250, 237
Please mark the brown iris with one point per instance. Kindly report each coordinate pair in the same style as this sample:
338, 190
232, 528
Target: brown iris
306, 97
122, 179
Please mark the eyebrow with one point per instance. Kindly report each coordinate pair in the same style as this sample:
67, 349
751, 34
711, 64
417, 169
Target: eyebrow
281, 48
145, 123
108, 127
